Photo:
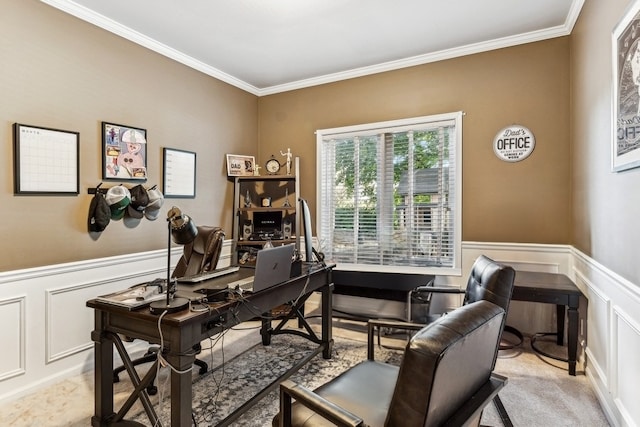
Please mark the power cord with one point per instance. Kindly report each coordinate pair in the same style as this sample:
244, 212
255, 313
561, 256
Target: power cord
303, 291
319, 256
253, 309
199, 307
162, 362
214, 339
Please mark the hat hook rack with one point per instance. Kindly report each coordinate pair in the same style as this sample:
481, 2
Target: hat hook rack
94, 190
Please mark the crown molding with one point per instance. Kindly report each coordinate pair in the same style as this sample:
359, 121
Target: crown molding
118, 29
114, 27
442, 55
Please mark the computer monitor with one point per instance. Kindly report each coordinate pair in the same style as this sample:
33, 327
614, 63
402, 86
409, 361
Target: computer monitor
306, 228
267, 222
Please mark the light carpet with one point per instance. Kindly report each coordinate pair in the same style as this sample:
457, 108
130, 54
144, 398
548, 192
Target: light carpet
537, 394
540, 391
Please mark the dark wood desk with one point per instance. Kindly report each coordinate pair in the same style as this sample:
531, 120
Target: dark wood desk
558, 289
182, 330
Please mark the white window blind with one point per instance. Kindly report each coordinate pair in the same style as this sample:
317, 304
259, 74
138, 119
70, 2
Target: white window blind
389, 194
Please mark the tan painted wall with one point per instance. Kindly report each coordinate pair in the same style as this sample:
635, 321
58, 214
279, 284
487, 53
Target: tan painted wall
76, 78
529, 201
606, 206
59, 72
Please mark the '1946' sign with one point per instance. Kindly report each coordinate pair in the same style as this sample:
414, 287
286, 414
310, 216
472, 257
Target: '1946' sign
514, 143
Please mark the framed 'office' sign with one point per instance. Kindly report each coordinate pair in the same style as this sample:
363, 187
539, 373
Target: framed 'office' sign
514, 143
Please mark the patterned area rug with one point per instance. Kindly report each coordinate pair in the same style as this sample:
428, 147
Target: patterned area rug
225, 388
538, 393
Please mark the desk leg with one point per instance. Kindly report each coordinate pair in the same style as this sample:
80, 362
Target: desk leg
103, 373
572, 333
265, 329
560, 310
181, 393
327, 320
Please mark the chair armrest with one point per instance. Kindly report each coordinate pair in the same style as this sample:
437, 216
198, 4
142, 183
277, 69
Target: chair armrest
440, 290
318, 404
397, 324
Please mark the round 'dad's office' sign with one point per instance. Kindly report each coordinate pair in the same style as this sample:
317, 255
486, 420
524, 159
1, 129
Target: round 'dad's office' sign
514, 143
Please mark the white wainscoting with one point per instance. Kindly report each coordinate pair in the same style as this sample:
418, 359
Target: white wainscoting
47, 326
46, 333
613, 338
12, 315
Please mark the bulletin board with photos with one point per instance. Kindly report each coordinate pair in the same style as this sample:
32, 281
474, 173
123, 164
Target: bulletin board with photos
124, 152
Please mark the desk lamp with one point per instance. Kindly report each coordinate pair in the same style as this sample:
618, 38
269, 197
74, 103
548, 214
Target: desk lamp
183, 230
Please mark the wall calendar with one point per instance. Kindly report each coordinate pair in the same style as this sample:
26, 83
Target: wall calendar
46, 161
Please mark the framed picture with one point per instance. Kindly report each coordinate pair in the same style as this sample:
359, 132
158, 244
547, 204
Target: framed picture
124, 153
625, 147
46, 161
179, 173
238, 165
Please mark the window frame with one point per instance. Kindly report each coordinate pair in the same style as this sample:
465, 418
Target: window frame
456, 117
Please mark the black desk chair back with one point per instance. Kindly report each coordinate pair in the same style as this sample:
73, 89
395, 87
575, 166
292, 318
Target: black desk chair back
199, 256
488, 281
445, 378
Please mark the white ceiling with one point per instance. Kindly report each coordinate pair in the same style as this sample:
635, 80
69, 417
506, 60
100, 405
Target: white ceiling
270, 46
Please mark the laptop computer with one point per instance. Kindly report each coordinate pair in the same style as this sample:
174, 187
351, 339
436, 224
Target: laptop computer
273, 266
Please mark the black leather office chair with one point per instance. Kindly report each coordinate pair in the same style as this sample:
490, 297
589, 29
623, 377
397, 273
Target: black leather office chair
445, 378
202, 254
199, 256
489, 281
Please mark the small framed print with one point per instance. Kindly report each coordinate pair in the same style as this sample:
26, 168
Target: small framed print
124, 153
179, 173
238, 165
46, 161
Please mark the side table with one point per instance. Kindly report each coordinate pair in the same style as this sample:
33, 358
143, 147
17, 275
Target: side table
558, 289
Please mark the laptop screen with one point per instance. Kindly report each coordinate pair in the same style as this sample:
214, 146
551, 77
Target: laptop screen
267, 222
273, 266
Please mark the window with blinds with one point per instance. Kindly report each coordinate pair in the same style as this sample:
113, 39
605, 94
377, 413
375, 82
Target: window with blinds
389, 194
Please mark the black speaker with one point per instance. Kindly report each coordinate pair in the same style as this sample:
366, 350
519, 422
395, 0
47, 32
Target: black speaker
286, 229
247, 229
